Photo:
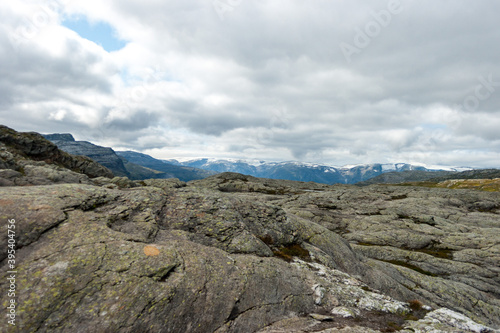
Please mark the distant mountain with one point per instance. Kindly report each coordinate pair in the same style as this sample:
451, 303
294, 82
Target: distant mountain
395, 177
184, 173
302, 171
138, 172
138, 166
147, 167
434, 177
27, 158
102, 155
469, 174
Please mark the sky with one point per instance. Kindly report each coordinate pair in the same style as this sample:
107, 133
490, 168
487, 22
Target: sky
331, 82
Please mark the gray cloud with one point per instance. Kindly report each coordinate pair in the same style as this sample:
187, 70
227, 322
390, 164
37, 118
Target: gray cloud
268, 81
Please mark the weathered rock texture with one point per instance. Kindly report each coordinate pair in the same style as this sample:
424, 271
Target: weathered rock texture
103, 155
30, 159
233, 253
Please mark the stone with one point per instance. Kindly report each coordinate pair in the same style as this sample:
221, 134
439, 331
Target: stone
240, 254
445, 320
321, 317
345, 312
20, 149
165, 184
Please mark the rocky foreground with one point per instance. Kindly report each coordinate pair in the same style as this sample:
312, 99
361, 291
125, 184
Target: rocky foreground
233, 253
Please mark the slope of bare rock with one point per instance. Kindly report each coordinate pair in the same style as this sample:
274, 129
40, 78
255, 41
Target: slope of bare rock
233, 253
37, 161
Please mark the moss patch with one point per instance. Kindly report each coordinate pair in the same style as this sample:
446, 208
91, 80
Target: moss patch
293, 250
438, 253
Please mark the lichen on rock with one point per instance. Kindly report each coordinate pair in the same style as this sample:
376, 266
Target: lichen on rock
233, 253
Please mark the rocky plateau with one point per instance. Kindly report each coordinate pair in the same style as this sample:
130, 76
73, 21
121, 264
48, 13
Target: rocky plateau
234, 253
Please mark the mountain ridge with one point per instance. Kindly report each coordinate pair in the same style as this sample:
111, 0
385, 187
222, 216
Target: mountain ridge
183, 173
435, 177
139, 166
121, 166
300, 171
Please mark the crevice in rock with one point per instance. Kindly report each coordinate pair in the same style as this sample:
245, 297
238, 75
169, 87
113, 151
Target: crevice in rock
290, 251
150, 304
410, 266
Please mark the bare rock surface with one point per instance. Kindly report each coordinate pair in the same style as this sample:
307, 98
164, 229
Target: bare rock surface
233, 253
37, 161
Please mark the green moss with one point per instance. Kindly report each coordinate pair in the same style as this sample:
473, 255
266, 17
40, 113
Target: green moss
268, 240
438, 253
366, 244
365, 288
398, 197
294, 250
392, 327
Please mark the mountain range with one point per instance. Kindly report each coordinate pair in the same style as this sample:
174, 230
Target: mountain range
124, 165
139, 166
309, 172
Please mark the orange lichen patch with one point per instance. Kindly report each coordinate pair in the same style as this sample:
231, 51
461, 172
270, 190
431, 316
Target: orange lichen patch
151, 251
5, 202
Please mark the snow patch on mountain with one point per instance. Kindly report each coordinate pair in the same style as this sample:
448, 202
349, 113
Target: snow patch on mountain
300, 171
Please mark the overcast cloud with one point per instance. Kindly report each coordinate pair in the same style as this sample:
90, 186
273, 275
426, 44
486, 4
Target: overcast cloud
333, 82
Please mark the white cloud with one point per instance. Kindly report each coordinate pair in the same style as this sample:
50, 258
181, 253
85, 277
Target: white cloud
268, 81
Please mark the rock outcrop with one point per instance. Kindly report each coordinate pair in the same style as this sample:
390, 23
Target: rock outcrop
102, 155
234, 253
132, 165
30, 159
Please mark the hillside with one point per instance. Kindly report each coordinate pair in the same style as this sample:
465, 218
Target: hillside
170, 170
30, 159
102, 155
432, 177
120, 165
405, 176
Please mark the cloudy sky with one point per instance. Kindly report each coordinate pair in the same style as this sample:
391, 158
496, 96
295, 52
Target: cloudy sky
334, 82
